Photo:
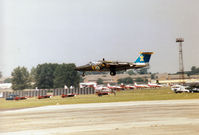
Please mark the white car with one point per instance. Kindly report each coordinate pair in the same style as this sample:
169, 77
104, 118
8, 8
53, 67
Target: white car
179, 88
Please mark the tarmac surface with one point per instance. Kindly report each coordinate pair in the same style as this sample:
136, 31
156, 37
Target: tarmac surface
166, 117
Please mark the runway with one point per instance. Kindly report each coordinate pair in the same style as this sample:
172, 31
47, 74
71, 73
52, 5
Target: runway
163, 117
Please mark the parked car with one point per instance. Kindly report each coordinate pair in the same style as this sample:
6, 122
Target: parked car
46, 96
180, 88
193, 90
102, 93
15, 97
68, 95
193, 87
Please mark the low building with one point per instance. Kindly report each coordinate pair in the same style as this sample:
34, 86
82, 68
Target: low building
166, 78
163, 78
4, 86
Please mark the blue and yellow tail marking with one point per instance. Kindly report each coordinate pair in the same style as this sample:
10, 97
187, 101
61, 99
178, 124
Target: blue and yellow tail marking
144, 57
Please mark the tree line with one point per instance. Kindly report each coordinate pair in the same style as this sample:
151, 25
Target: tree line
194, 71
53, 75
45, 76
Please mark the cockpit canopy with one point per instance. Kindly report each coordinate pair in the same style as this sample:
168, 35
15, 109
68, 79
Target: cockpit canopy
94, 63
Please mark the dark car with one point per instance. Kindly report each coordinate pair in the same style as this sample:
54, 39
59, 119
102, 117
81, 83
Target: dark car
42, 97
15, 97
194, 90
68, 95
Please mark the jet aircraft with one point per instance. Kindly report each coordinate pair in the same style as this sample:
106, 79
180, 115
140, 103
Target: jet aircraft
154, 85
140, 86
113, 66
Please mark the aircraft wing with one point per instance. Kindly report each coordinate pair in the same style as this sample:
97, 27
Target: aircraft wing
117, 63
121, 64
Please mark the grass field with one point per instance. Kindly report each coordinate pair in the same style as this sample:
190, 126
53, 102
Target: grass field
128, 95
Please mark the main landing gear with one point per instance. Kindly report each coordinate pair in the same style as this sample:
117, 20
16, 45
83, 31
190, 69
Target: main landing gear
113, 73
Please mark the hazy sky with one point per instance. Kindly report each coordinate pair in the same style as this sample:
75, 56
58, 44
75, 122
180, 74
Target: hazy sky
78, 31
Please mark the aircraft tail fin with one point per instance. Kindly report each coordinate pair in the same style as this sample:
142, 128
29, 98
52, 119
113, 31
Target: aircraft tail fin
144, 57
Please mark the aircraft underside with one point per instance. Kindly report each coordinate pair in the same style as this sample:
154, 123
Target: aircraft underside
112, 70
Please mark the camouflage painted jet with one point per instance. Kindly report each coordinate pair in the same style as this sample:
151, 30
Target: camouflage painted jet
113, 66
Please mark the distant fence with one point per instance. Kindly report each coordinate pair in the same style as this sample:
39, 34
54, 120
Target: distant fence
80, 91
26, 93
55, 92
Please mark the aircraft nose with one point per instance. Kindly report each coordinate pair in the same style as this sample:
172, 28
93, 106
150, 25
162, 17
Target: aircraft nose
81, 68
77, 68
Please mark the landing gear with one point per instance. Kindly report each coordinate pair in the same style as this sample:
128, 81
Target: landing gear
83, 74
112, 73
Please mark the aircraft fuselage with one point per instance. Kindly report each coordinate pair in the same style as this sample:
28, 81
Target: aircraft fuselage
113, 66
